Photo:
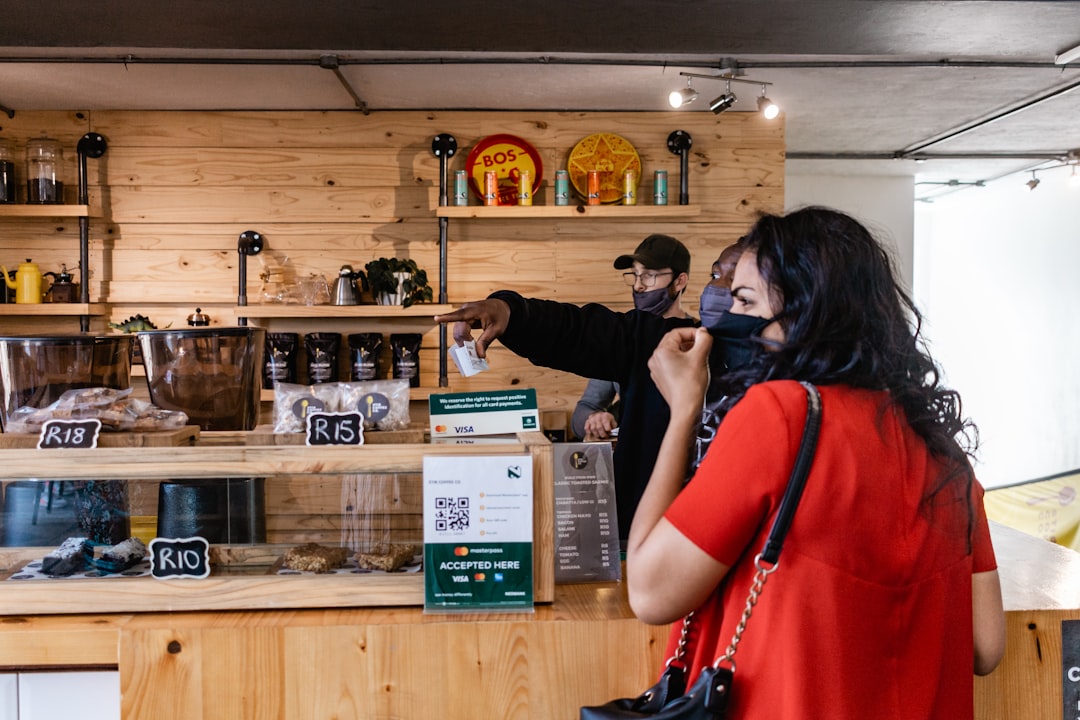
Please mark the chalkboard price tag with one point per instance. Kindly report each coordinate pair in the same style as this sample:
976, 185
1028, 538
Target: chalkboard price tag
325, 428
69, 434
172, 558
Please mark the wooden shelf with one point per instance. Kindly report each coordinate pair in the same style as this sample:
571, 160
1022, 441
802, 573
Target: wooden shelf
51, 309
415, 394
422, 310
513, 212
43, 211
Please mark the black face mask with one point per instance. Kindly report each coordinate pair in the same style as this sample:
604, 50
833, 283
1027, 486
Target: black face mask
733, 334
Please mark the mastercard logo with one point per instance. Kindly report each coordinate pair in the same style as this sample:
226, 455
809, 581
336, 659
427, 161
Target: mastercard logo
461, 551
440, 428
479, 577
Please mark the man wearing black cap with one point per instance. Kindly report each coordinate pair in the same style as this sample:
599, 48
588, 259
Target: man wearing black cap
595, 342
658, 272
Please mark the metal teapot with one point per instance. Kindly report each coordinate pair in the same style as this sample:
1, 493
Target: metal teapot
27, 283
346, 291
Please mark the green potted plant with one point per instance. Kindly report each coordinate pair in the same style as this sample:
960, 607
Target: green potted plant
394, 281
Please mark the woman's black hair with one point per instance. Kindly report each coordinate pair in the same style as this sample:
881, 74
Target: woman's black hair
847, 320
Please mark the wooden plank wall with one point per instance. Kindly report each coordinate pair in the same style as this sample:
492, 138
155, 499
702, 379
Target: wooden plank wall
175, 190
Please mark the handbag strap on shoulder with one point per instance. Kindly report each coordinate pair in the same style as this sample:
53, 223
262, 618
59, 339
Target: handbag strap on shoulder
766, 561
805, 457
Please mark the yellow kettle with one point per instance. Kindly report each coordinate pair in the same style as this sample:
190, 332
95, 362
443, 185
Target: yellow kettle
27, 283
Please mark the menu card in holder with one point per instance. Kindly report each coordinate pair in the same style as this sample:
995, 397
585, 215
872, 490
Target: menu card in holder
586, 525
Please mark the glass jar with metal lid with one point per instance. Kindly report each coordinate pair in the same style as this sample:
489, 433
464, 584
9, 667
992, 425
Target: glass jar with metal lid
44, 167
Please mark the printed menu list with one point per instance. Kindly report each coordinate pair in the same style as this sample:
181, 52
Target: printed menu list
586, 526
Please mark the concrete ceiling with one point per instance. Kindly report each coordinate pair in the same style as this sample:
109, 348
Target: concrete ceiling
962, 91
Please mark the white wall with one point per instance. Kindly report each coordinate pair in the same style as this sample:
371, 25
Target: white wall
994, 271
882, 204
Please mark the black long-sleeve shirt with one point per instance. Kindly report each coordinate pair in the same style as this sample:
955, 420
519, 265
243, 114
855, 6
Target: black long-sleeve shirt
596, 342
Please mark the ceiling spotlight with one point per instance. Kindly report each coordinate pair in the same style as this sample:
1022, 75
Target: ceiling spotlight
723, 102
767, 107
1033, 182
683, 96
1074, 179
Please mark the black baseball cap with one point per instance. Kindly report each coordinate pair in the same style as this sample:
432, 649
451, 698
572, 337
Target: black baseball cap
657, 252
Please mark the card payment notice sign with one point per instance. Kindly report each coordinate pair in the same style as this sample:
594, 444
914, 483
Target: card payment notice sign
478, 533
494, 412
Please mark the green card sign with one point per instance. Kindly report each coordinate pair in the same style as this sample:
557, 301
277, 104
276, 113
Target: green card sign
494, 412
478, 550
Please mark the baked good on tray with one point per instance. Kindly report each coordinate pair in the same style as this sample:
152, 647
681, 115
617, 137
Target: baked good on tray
121, 556
313, 557
388, 556
67, 559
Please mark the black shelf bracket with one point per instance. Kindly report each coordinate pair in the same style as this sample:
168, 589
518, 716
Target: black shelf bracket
90, 145
443, 146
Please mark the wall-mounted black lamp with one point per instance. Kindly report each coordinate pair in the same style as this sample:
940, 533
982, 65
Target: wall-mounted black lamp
250, 243
679, 142
90, 145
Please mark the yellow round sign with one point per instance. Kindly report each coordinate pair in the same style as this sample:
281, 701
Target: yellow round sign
611, 155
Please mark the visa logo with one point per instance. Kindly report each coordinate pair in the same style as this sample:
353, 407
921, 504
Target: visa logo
460, 578
463, 428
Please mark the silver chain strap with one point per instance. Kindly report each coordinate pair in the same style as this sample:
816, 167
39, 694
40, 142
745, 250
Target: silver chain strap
756, 587
684, 636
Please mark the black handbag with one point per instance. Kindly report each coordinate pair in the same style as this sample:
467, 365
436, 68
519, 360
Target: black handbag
707, 698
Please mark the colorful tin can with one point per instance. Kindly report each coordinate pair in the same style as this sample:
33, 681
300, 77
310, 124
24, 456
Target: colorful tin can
491, 187
593, 195
524, 195
660, 187
461, 187
562, 187
629, 191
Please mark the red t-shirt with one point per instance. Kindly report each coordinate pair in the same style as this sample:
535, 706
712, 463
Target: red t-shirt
868, 614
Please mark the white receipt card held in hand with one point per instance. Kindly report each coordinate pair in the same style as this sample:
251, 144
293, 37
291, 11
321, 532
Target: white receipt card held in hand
467, 361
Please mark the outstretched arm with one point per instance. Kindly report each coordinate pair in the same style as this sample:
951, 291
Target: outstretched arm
491, 316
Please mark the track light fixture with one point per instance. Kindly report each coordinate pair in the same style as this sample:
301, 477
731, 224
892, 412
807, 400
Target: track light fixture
722, 103
768, 109
1070, 160
684, 96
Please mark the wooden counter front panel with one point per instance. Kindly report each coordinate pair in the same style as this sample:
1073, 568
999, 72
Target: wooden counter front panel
454, 671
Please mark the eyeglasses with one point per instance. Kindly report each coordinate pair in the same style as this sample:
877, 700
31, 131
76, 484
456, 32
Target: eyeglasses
648, 279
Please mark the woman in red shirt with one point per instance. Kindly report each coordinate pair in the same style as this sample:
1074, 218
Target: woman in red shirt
888, 596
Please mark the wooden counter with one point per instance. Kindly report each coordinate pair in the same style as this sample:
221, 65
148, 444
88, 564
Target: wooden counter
393, 662
586, 647
1040, 585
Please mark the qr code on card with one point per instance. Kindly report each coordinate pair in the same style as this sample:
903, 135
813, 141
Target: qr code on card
451, 513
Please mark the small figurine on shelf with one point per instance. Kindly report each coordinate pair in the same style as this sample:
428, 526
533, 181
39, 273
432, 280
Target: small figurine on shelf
134, 324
